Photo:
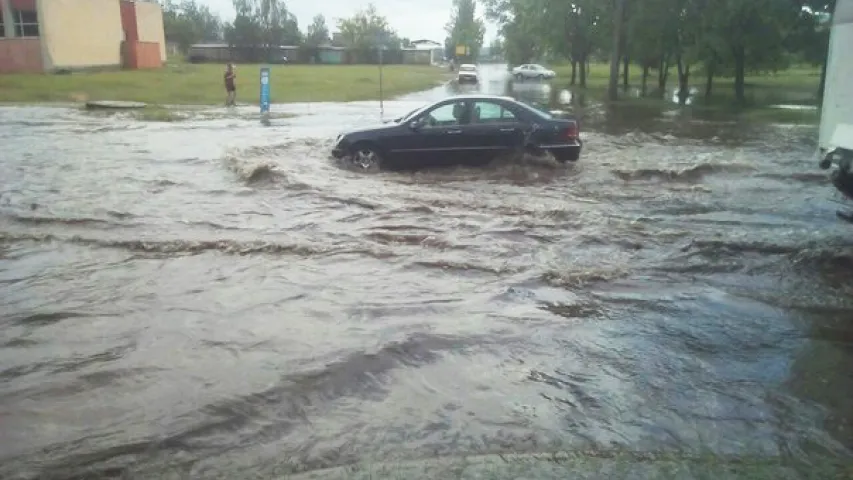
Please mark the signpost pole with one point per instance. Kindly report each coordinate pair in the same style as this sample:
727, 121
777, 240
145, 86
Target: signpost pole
381, 96
265, 94
381, 39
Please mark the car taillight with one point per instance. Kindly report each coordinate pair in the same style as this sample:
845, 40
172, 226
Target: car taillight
572, 131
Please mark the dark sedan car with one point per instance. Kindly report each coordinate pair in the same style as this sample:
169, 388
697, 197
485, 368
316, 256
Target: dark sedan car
468, 129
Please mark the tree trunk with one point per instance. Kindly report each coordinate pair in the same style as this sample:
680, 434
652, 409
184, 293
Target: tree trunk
583, 70
574, 71
683, 81
626, 63
740, 74
663, 73
645, 79
613, 87
710, 66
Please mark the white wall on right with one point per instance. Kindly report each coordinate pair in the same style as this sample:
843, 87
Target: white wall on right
837, 108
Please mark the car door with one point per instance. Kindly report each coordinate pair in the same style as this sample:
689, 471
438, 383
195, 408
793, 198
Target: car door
495, 129
437, 137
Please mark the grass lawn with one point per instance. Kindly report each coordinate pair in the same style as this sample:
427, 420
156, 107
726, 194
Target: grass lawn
795, 78
202, 84
797, 85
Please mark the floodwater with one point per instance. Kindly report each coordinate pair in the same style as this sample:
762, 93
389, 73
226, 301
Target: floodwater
215, 298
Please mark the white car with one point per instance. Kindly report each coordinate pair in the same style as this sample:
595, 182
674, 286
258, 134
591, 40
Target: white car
467, 73
532, 70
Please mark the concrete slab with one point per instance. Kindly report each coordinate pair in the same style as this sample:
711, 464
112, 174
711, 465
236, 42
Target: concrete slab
114, 105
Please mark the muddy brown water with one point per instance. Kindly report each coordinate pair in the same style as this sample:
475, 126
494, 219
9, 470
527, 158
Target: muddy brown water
215, 297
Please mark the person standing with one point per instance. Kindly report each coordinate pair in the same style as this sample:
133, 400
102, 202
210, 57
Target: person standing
230, 85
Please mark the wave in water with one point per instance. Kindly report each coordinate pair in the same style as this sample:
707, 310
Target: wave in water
255, 416
65, 221
192, 247
694, 173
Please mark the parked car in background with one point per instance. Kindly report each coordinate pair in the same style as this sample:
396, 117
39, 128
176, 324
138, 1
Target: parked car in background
532, 70
468, 74
465, 129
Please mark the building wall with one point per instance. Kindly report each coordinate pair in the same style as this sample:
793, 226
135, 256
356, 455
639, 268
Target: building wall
210, 53
417, 57
20, 55
142, 55
149, 24
128, 21
330, 56
80, 34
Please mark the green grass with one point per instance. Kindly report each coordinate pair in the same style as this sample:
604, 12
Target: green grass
794, 86
796, 77
188, 84
798, 84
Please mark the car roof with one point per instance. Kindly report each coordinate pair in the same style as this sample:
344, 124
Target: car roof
468, 65
479, 96
475, 97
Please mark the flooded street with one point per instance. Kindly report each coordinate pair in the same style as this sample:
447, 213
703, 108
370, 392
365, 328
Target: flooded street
215, 298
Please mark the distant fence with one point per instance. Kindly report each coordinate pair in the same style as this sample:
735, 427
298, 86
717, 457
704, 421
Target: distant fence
222, 53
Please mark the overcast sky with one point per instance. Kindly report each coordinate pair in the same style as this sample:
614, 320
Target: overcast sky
414, 19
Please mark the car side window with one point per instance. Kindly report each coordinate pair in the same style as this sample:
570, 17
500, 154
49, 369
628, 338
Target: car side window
491, 112
446, 115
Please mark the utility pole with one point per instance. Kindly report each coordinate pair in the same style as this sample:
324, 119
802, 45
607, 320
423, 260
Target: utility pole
618, 31
381, 40
381, 99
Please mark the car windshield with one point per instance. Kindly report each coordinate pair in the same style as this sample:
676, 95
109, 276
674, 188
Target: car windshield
467, 68
408, 116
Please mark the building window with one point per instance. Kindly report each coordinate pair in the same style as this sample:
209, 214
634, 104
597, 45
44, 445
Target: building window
26, 23
2, 26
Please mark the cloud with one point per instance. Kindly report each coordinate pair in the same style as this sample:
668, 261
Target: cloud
414, 19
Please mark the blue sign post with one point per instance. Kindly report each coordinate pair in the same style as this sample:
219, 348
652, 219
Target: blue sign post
265, 92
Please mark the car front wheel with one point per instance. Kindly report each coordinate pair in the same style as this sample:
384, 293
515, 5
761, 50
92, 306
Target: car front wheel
366, 157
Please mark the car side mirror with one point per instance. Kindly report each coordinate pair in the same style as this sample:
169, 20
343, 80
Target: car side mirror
417, 124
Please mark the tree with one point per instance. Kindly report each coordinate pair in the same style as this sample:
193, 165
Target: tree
187, 22
651, 48
810, 37
496, 48
317, 33
717, 38
520, 27
260, 27
618, 33
752, 34
568, 29
464, 28
367, 31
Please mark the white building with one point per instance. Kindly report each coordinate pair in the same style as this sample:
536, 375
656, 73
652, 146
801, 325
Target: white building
836, 122
436, 50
